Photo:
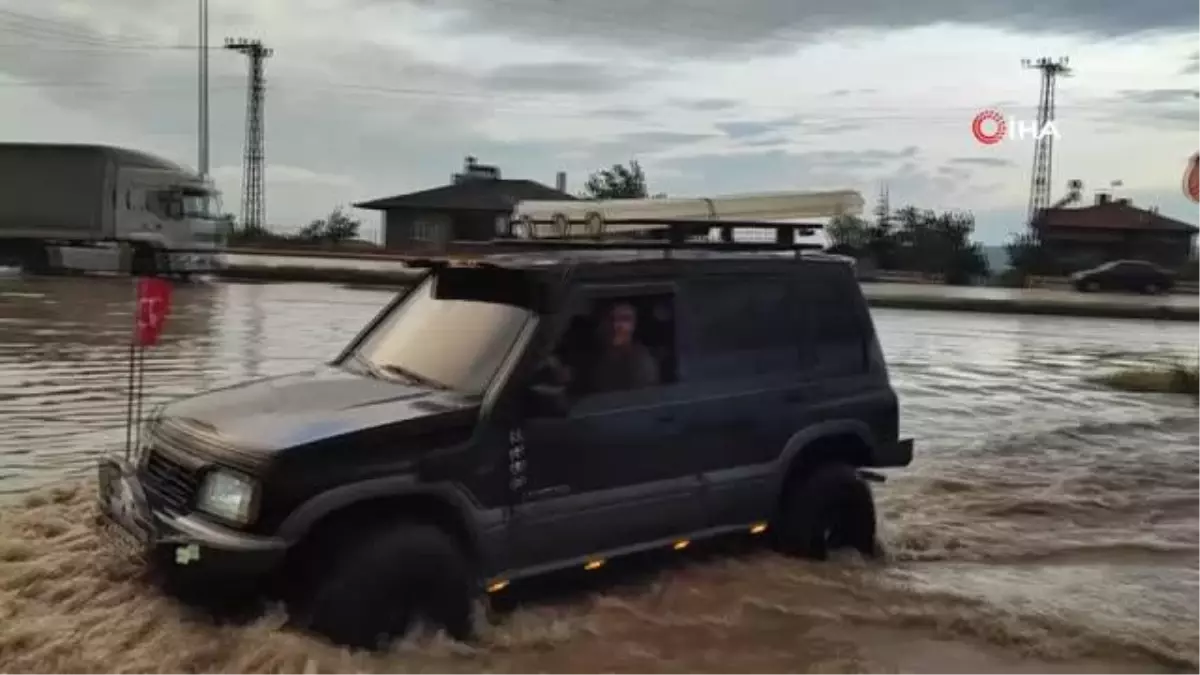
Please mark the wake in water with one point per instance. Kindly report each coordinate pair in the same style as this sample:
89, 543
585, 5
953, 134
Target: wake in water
945, 602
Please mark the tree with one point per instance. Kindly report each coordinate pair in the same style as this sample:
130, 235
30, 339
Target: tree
336, 228
848, 233
939, 243
1025, 256
618, 182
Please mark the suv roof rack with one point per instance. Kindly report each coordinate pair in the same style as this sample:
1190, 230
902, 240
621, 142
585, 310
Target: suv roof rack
681, 233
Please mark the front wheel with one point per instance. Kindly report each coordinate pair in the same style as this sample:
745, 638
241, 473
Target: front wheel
387, 581
829, 509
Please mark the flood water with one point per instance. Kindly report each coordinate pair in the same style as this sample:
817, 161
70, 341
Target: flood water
1047, 524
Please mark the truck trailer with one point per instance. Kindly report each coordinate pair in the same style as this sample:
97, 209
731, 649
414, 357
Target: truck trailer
157, 212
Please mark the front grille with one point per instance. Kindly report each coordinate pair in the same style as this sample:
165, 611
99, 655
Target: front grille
168, 485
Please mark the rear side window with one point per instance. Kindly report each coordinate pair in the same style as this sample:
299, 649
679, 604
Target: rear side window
741, 326
839, 324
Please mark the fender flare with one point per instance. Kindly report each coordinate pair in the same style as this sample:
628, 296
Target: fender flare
796, 446
301, 520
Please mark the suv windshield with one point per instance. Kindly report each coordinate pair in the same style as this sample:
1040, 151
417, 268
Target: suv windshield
455, 344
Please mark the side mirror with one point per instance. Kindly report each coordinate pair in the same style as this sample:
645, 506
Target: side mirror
547, 400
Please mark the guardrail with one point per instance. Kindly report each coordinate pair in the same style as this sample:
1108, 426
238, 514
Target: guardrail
321, 253
902, 277
1062, 283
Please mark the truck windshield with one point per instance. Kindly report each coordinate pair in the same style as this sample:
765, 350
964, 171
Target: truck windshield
203, 205
451, 344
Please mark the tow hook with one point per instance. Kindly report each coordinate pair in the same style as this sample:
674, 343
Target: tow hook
872, 476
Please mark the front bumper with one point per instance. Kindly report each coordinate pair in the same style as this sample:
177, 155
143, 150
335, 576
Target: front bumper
895, 454
180, 545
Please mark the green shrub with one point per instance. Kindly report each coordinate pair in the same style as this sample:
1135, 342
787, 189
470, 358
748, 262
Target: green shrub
1177, 378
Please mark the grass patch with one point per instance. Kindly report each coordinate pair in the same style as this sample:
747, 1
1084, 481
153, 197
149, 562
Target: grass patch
1177, 378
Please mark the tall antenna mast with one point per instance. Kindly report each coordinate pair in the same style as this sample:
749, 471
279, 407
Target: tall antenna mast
883, 208
1043, 148
254, 208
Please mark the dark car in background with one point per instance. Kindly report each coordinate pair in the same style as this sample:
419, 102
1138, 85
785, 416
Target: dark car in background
1129, 276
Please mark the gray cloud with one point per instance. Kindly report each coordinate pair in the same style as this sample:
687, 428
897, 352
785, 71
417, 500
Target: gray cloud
706, 104
620, 113
1171, 107
765, 141
1160, 96
1192, 66
716, 26
779, 169
642, 143
983, 161
569, 78
740, 130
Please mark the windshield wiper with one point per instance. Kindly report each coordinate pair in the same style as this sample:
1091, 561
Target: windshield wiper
365, 367
415, 378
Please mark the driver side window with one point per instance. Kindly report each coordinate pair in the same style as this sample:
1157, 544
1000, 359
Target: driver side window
615, 344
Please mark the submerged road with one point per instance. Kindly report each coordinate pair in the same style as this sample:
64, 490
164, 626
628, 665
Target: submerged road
1042, 511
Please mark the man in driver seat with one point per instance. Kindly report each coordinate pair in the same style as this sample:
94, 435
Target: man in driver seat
621, 361
615, 362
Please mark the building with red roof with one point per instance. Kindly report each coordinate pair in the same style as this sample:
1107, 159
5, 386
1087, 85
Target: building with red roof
1114, 229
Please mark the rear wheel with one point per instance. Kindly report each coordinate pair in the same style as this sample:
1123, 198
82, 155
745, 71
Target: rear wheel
146, 261
33, 257
385, 582
828, 509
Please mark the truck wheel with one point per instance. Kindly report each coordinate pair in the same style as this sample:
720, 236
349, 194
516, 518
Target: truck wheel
145, 261
830, 508
386, 581
34, 258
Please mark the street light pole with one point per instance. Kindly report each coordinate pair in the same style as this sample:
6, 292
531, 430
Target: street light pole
203, 91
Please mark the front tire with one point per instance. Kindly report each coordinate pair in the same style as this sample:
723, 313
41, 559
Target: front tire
830, 508
387, 581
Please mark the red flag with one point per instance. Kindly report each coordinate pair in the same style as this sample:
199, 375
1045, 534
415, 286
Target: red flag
153, 305
1191, 178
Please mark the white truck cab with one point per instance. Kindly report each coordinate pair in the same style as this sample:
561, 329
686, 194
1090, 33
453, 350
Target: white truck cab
161, 216
175, 213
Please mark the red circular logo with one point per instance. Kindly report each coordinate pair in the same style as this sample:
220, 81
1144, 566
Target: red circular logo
1191, 178
989, 127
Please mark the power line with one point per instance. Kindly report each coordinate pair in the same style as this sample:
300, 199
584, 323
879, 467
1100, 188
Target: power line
44, 29
560, 104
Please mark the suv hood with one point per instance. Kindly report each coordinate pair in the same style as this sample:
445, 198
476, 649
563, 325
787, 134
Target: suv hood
291, 410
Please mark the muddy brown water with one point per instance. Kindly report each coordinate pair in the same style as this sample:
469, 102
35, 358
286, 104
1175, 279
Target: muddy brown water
1048, 524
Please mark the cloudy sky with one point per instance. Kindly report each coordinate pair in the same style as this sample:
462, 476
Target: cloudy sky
369, 98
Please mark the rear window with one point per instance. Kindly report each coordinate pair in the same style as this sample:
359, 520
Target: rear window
839, 322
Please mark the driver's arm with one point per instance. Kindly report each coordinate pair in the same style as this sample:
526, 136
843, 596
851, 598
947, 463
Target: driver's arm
560, 373
645, 369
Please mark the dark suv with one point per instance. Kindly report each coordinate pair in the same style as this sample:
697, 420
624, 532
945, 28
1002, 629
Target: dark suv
522, 413
1130, 276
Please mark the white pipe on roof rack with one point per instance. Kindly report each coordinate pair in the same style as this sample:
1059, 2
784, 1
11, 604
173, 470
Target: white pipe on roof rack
560, 218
